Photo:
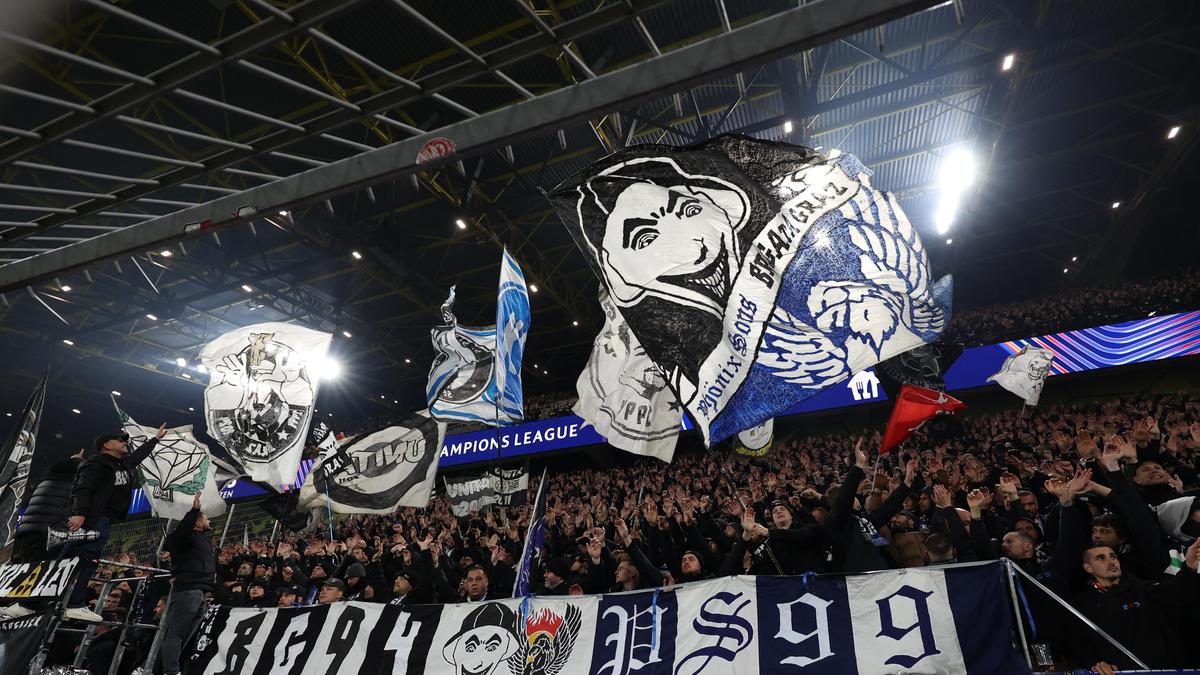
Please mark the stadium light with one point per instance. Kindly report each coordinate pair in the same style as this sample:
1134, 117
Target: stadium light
949, 241
787, 127
347, 334
191, 409
283, 212
115, 392
1064, 270
1009, 60
1116, 205
460, 223
1174, 132
152, 317
574, 323
356, 255
247, 288
326, 369
68, 342
957, 173
166, 253
408, 360
75, 410
533, 288
1074, 258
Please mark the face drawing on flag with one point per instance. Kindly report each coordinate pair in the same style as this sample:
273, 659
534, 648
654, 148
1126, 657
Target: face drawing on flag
267, 387
755, 274
757, 437
487, 639
666, 233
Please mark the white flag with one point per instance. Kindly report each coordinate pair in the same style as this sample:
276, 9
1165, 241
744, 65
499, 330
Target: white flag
624, 395
260, 396
381, 471
179, 467
1025, 372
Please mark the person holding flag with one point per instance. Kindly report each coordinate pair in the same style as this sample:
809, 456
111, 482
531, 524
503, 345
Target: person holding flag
101, 493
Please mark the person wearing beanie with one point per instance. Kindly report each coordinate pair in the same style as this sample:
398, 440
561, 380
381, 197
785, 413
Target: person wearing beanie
101, 494
558, 570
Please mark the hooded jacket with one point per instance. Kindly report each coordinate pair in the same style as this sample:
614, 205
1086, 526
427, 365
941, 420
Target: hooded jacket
1173, 514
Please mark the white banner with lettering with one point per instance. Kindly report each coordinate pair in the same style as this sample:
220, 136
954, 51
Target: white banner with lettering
947, 620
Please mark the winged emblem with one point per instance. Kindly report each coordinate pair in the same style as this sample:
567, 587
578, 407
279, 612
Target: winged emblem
799, 353
549, 640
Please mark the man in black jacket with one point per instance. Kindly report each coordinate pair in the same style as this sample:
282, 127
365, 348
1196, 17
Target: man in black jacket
195, 569
101, 493
1149, 619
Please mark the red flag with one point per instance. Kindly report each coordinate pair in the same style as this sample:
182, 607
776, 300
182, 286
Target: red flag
914, 405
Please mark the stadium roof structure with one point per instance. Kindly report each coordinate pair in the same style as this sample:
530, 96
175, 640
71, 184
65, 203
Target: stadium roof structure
174, 170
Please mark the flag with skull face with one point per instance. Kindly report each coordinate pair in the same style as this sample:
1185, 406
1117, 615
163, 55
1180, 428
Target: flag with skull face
261, 392
753, 273
179, 467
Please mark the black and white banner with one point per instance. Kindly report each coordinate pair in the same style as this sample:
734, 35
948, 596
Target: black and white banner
46, 579
263, 382
469, 493
624, 395
911, 621
510, 486
15, 459
381, 471
494, 487
19, 642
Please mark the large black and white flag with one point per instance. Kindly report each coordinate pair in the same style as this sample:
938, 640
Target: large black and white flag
178, 468
755, 274
510, 487
381, 471
494, 487
469, 493
263, 382
15, 459
624, 395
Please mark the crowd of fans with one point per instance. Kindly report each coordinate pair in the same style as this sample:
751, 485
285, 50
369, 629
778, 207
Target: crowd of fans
1076, 308
1096, 501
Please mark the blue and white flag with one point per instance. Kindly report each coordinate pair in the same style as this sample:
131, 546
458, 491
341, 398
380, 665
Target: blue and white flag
462, 383
476, 375
755, 274
531, 553
512, 327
